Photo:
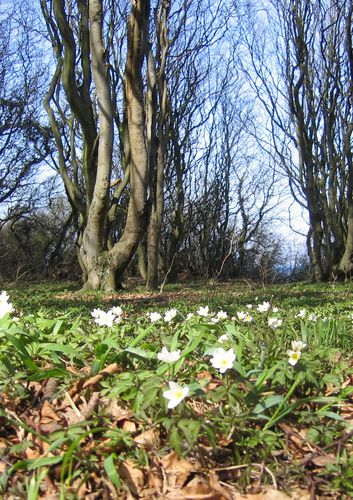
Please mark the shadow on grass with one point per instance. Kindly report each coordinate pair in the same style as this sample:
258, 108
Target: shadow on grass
66, 297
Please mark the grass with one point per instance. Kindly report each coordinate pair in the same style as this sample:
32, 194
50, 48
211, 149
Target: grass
84, 409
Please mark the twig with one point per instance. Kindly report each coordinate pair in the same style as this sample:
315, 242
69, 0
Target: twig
337, 442
167, 274
243, 466
226, 257
73, 406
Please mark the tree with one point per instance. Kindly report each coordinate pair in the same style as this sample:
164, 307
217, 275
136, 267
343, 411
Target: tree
307, 94
196, 76
24, 141
231, 204
81, 106
39, 241
99, 105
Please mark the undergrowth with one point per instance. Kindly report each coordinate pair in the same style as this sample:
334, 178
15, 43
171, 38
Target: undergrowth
198, 391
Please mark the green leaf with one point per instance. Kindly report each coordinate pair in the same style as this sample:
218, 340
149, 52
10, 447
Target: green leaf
332, 415
265, 375
42, 462
140, 353
57, 325
190, 429
22, 352
268, 403
143, 332
174, 342
52, 346
112, 343
191, 347
56, 372
175, 440
196, 387
110, 469
149, 390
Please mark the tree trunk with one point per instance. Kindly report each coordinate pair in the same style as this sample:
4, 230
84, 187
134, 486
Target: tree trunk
177, 229
123, 251
92, 250
141, 258
155, 224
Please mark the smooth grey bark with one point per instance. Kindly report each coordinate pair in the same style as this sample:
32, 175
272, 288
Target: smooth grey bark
82, 55
157, 186
92, 248
123, 251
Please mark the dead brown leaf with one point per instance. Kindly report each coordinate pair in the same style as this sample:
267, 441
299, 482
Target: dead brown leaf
50, 388
323, 460
50, 427
155, 477
149, 440
108, 370
114, 409
177, 469
91, 405
297, 437
129, 426
216, 485
133, 476
32, 453
200, 488
269, 494
47, 411
272, 494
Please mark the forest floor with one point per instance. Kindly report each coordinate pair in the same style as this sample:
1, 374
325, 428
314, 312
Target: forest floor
220, 391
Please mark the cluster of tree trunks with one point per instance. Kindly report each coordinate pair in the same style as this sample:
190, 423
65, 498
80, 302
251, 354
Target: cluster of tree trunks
155, 134
308, 95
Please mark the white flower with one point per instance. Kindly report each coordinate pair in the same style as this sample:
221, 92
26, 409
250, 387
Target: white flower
116, 310
274, 323
223, 338
264, 307
313, 317
96, 313
298, 345
294, 357
214, 320
4, 296
301, 313
221, 315
168, 356
154, 316
175, 394
203, 311
103, 318
170, 315
5, 306
249, 306
275, 309
244, 317
189, 316
222, 360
